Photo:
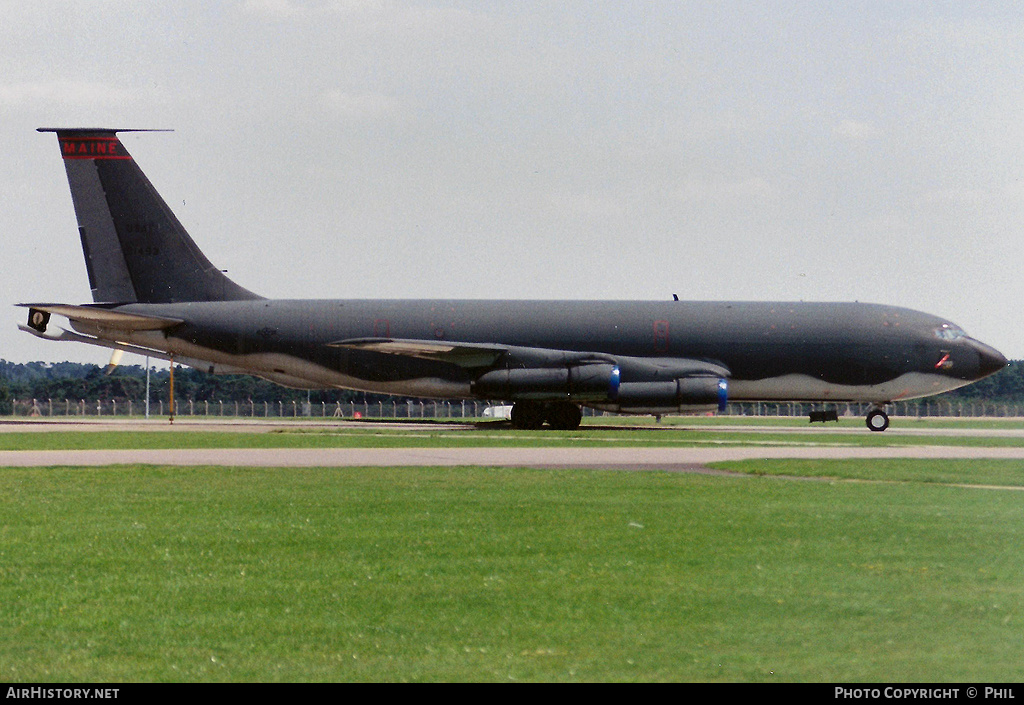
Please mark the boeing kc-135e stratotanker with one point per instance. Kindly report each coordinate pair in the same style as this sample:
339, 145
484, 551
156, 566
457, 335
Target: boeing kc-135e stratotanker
155, 293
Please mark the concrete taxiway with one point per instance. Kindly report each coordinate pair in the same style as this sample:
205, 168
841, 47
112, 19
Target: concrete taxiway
610, 458
641, 457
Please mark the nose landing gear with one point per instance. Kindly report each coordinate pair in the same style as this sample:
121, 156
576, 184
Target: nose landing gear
877, 419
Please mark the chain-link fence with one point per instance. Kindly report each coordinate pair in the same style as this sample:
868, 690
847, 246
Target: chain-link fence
433, 409
915, 409
255, 409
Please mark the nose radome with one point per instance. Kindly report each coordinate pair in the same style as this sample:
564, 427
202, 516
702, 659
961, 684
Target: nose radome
990, 360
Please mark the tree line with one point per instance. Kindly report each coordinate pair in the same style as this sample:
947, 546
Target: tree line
72, 380
75, 381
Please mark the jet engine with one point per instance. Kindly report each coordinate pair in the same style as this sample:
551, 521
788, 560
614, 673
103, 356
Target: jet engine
597, 382
687, 394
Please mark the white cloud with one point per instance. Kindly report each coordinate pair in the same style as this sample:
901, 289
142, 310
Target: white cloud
960, 196
856, 130
272, 8
303, 9
746, 190
47, 94
359, 106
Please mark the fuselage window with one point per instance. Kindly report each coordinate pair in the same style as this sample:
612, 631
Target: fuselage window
950, 332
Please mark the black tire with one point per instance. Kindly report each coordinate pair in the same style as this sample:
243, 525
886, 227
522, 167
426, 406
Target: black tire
877, 420
564, 416
527, 415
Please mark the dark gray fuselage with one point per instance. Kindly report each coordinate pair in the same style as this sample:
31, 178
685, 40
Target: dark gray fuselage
772, 350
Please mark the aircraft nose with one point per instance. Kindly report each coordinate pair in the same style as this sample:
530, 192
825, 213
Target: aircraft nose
990, 360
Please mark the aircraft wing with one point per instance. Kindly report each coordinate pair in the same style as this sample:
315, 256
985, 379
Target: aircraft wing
481, 355
461, 354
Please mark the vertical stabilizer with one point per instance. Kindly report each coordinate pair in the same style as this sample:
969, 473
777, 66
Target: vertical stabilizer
135, 248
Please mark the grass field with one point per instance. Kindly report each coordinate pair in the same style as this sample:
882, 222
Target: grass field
889, 571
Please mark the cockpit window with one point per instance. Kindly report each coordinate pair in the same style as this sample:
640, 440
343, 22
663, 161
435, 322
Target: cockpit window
949, 332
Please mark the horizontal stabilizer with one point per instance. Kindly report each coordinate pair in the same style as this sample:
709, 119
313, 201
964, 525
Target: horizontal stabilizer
71, 337
461, 354
100, 130
104, 317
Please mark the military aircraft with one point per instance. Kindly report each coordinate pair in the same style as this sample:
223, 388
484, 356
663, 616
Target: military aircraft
155, 293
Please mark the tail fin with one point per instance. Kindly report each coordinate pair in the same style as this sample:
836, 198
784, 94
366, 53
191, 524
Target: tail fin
135, 249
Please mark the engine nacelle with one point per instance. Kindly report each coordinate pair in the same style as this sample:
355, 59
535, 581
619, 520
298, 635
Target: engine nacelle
598, 382
689, 394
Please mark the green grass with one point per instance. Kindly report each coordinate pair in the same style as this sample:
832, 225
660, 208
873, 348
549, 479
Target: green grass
970, 473
209, 574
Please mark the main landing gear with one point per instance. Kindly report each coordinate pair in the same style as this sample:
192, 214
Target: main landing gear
560, 415
877, 419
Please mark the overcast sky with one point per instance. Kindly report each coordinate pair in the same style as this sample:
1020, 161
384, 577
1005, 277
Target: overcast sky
869, 151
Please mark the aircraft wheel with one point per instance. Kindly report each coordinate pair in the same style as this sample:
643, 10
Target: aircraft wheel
877, 420
564, 416
527, 415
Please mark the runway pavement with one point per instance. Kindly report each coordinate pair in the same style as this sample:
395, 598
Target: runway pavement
643, 458
622, 458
